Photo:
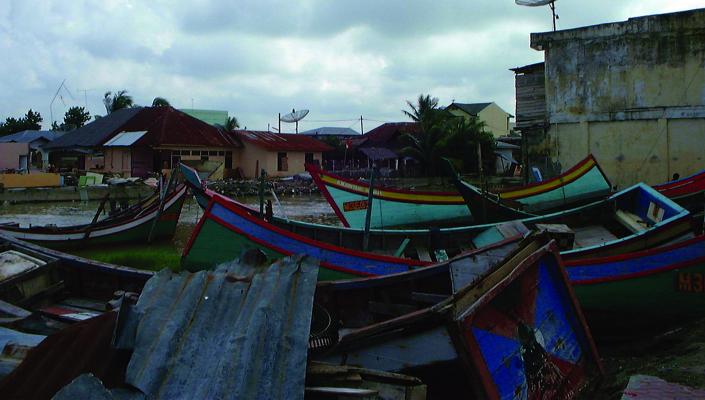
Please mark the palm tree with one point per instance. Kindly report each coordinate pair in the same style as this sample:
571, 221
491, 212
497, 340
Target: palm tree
160, 102
117, 101
230, 124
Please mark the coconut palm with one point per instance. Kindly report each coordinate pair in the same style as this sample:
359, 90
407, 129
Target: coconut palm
160, 102
230, 124
117, 101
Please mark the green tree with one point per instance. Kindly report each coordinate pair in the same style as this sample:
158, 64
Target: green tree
160, 102
32, 120
230, 124
75, 118
117, 101
442, 134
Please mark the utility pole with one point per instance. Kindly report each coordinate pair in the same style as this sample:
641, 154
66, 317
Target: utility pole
280, 123
362, 130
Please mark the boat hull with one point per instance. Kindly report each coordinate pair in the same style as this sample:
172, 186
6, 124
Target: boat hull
663, 282
134, 230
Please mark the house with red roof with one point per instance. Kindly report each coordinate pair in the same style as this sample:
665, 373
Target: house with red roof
278, 154
140, 140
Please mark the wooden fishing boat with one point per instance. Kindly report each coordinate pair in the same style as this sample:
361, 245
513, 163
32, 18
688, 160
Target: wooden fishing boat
391, 207
514, 330
156, 217
664, 284
42, 289
397, 207
689, 192
633, 219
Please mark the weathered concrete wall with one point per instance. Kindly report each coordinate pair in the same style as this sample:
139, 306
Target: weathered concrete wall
250, 155
72, 193
632, 151
633, 93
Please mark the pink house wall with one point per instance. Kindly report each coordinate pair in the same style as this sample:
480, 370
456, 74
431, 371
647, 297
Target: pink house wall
10, 154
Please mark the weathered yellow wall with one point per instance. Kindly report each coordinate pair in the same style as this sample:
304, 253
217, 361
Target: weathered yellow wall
250, 154
39, 179
633, 151
495, 120
494, 117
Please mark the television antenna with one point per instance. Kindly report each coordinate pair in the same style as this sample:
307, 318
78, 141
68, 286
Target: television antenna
293, 117
536, 3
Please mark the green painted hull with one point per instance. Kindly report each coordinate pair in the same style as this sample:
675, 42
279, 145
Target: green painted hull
649, 296
387, 213
216, 244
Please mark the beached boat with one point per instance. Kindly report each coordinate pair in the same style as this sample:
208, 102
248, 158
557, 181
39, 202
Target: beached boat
689, 192
633, 219
397, 207
58, 286
391, 207
663, 283
514, 330
135, 225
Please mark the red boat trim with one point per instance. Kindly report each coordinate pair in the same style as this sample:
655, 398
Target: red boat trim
299, 238
196, 230
478, 360
284, 252
317, 170
682, 264
324, 190
698, 176
633, 255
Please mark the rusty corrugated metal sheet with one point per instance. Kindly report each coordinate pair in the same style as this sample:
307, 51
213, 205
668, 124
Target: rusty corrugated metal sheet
223, 334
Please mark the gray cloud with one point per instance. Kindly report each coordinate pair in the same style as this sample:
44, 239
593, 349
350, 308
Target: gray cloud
257, 58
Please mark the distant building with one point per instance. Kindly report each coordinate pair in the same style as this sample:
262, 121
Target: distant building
382, 145
278, 154
138, 141
631, 93
331, 131
22, 150
212, 117
495, 118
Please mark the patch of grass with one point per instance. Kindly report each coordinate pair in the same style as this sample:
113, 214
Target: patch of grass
152, 257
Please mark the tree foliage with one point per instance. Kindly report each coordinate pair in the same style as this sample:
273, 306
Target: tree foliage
442, 134
32, 120
117, 101
230, 124
160, 102
74, 118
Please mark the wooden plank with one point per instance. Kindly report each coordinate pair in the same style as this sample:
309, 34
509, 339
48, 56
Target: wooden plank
402, 247
630, 221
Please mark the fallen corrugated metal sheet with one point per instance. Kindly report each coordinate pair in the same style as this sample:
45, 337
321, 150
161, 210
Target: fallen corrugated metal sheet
223, 334
645, 387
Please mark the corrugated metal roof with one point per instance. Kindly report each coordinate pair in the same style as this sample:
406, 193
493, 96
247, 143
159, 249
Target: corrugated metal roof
96, 132
331, 130
29, 136
231, 333
125, 139
282, 141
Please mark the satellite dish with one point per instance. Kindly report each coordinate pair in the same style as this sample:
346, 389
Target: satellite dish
295, 116
533, 3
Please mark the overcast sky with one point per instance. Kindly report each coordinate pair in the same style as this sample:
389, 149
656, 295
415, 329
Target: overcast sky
340, 59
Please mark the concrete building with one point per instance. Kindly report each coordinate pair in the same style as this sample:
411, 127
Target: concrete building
632, 93
212, 117
279, 154
495, 118
23, 150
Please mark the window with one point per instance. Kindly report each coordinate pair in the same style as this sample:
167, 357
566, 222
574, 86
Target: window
212, 153
204, 158
282, 162
309, 158
196, 152
222, 153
